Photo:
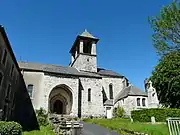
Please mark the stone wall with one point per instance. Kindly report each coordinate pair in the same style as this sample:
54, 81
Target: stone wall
51, 81
44, 83
85, 63
117, 84
37, 80
130, 103
95, 106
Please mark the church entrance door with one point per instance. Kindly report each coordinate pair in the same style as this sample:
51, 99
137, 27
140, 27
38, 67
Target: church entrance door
58, 107
60, 100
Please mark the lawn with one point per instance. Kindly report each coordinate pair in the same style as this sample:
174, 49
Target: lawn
43, 131
116, 124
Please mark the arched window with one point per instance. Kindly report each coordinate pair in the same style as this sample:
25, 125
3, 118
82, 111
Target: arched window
30, 89
143, 102
89, 95
110, 91
1, 78
138, 102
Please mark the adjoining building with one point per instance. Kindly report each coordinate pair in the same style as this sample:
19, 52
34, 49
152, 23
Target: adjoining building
15, 103
80, 89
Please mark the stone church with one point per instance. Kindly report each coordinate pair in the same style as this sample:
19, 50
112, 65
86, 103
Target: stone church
81, 89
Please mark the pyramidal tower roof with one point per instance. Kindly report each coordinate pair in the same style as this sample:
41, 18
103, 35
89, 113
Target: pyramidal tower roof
84, 35
87, 34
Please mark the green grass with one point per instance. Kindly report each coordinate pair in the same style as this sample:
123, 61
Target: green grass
43, 131
116, 124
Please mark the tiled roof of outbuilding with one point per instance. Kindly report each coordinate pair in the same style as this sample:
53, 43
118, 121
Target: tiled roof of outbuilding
129, 91
108, 102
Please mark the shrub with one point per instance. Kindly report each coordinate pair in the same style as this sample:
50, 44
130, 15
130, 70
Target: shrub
118, 112
42, 117
42, 121
160, 114
41, 112
10, 128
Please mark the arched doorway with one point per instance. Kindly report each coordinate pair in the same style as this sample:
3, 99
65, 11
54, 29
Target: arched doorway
60, 100
58, 107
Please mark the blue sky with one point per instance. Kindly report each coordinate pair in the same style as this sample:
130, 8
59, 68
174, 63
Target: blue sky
44, 31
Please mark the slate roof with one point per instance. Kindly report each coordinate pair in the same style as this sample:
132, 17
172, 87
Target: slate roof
65, 70
87, 34
108, 102
106, 72
129, 91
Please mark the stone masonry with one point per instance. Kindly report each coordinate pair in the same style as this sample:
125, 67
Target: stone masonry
81, 89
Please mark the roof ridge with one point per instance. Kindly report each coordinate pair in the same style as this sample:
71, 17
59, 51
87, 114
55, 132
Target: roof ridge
43, 64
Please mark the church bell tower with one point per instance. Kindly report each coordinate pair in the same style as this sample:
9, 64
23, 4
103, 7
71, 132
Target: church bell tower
83, 52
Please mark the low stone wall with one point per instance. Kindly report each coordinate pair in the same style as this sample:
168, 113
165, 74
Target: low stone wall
65, 125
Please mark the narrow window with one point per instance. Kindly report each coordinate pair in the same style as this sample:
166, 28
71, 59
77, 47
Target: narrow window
30, 89
12, 69
89, 95
110, 91
4, 57
1, 78
138, 101
143, 102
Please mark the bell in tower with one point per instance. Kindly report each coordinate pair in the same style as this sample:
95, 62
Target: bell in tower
83, 52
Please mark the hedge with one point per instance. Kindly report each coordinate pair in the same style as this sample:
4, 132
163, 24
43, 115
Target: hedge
10, 128
160, 114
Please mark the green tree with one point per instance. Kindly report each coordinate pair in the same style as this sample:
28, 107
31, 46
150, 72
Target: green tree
166, 27
166, 79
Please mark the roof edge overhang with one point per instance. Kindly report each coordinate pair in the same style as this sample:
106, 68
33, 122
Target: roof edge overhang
138, 95
112, 76
78, 38
35, 70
